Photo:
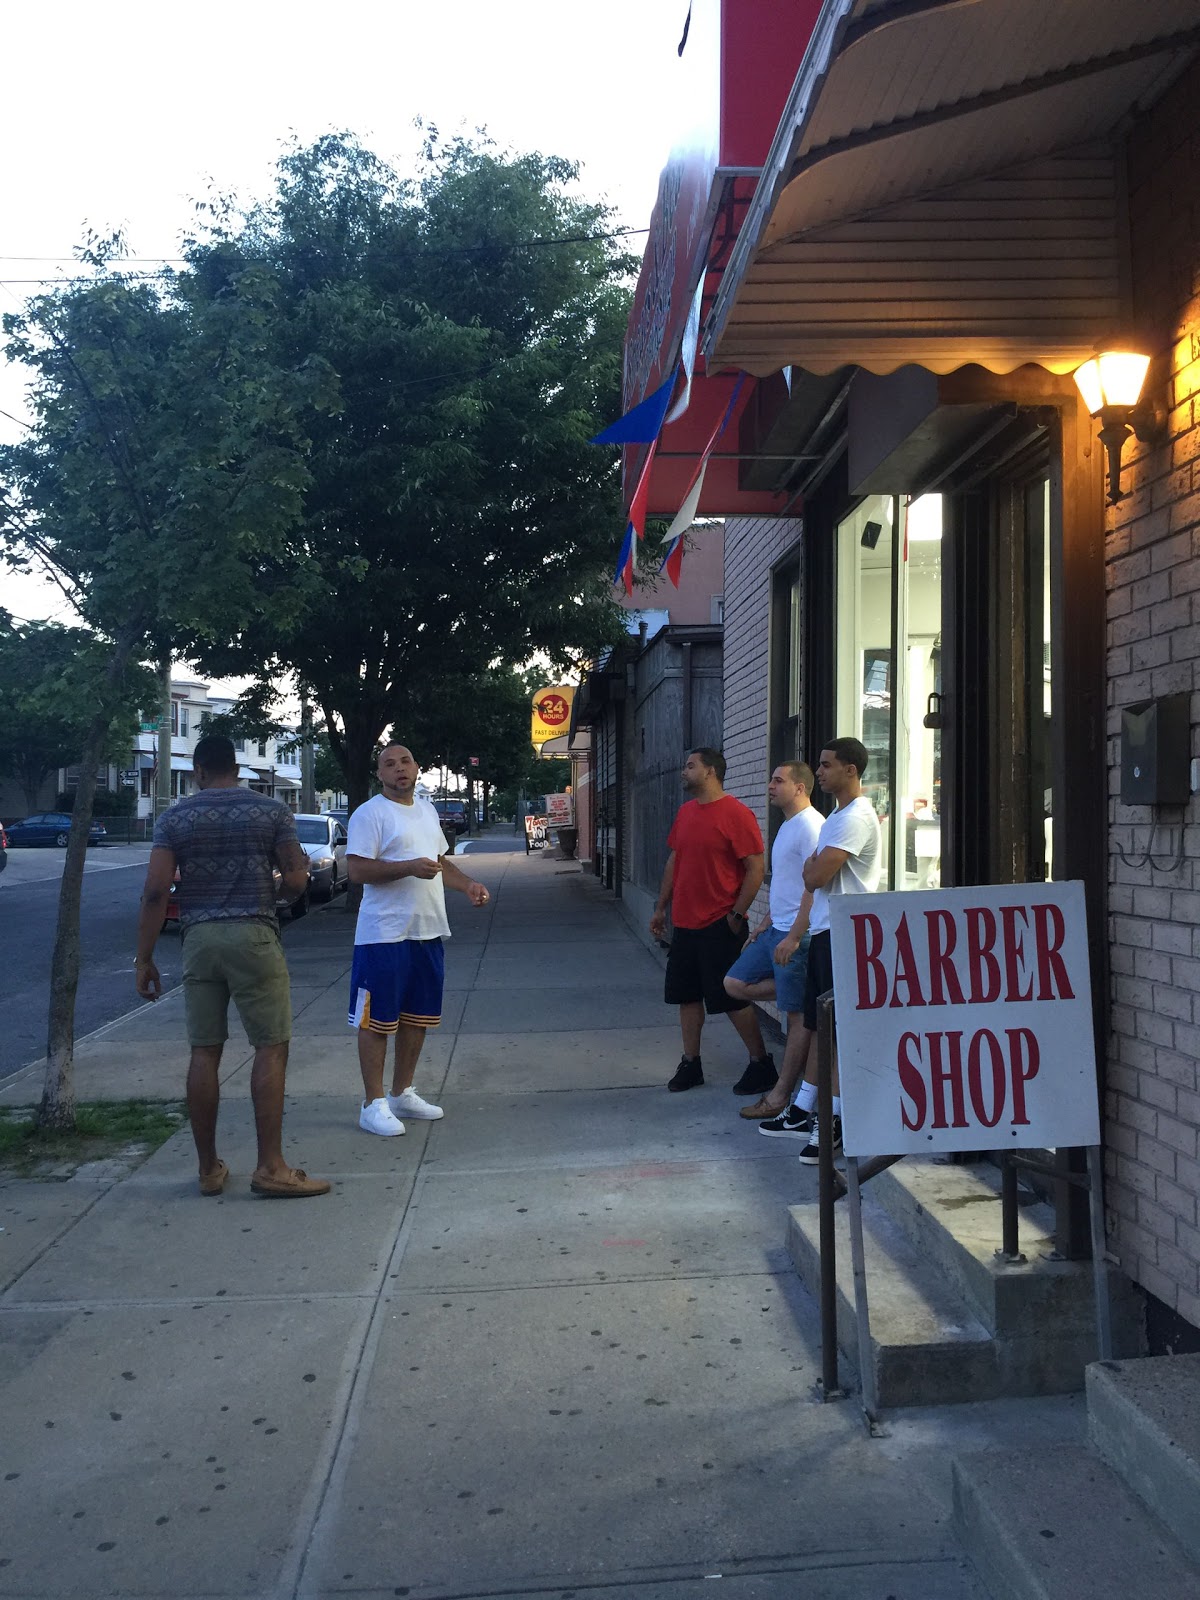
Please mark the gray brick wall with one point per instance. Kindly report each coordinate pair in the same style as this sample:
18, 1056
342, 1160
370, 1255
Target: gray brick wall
1153, 562
753, 545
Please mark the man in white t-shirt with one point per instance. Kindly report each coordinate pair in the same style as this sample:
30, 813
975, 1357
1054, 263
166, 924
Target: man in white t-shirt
396, 849
848, 860
774, 963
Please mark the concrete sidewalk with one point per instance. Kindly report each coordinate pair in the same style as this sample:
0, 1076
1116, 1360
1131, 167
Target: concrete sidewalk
550, 1345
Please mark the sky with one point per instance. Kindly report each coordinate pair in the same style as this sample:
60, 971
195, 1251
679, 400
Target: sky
122, 116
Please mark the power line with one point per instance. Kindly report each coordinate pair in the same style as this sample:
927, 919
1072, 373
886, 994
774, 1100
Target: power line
412, 253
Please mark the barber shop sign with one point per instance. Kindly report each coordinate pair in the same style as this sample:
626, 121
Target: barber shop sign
964, 1019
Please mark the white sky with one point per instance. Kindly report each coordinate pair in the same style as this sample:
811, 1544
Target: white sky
121, 115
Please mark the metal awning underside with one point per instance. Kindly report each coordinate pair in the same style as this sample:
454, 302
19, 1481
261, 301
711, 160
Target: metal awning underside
944, 187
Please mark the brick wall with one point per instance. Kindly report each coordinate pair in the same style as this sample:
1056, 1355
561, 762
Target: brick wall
1153, 561
753, 545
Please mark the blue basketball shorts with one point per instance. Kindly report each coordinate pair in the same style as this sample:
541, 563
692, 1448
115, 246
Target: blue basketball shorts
395, 983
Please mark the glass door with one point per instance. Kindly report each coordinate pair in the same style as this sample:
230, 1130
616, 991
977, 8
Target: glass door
889, 675
918, 705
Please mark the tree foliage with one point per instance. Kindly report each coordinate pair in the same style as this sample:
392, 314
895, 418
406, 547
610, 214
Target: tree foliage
457, 520
48, 678
164, 463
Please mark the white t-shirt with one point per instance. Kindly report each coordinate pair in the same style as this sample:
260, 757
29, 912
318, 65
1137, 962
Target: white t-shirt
853, 827
794, 843
407, 908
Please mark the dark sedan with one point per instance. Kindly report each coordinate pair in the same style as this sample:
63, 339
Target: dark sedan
50, 827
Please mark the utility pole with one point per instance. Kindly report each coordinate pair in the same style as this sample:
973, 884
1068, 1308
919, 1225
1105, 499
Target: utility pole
162, 788
308, 757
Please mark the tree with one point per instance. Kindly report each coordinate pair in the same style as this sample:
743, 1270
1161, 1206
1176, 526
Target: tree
47, 695
457, 519
163, 466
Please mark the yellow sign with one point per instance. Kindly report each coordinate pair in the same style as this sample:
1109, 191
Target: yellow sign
551, 713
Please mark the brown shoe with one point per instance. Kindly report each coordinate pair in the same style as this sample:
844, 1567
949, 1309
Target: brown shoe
760, 1111
213, 1182
288, 1185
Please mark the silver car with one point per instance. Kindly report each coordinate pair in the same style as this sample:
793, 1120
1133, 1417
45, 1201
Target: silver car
324, 842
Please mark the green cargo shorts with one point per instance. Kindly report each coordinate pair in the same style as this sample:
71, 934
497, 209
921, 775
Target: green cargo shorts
241, 961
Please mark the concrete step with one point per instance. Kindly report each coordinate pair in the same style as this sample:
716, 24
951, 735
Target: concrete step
928, 1347
1144, 1420
1059, 1524
952, 1213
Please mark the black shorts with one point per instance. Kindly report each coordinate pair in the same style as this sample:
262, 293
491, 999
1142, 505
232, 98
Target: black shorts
697, 963
820, 975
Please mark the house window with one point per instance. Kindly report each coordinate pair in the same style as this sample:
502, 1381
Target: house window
183, 721
240, 746
717, 608
262, 747
174, 717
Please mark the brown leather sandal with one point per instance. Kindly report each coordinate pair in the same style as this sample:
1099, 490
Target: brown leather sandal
761, 1111
213, 1182
293, 1185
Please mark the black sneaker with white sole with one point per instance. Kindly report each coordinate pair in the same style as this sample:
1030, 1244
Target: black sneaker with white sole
790, 1123
811, 1153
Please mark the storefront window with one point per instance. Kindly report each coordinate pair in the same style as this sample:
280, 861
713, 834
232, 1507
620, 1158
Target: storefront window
889, 673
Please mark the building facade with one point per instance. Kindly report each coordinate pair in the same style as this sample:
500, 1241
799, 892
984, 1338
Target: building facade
957, 207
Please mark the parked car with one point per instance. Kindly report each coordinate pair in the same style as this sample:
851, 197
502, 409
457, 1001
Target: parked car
3, 848
455, 817
339, 814
324, 842
51, 827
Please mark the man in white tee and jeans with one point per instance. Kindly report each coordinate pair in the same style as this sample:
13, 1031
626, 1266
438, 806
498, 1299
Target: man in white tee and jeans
848, 860
396, 849
773, 965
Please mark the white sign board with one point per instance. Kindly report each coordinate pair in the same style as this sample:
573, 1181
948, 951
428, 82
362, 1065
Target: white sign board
964, 1019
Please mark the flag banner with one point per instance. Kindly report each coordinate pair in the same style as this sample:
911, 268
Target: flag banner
682, 520
624, 572
642, 424
641, 496
687, 357
672, 563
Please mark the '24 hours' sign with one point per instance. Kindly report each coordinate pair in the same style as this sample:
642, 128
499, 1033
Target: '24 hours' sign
964, 1019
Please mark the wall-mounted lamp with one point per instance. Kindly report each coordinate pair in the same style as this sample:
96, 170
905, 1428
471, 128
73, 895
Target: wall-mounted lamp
1111, 386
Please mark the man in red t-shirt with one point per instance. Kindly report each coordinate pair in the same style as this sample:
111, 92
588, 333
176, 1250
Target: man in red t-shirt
712, 875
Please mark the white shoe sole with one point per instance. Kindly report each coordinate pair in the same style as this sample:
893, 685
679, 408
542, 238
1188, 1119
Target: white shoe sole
381, 1133
434, 1114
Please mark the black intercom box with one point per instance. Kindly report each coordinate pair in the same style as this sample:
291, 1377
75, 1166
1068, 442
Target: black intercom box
1156, 751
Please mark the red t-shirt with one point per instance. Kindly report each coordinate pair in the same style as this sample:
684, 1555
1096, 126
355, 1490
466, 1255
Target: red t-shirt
710, 843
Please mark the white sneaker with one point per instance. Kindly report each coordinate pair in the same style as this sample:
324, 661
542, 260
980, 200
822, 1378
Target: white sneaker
377, 1117
410, 1104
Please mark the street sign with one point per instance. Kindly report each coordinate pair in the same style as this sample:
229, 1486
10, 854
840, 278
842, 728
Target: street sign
964, 1019
148, 727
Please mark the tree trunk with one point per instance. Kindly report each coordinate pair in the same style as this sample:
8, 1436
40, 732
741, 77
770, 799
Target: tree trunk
56, 1111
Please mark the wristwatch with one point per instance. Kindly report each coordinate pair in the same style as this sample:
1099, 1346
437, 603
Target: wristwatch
740, 916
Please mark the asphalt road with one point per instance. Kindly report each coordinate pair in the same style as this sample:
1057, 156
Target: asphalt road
112, 887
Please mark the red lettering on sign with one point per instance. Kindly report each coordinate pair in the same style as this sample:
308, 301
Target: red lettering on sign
1014, 953
951, 1073
872, 979
1022, 1047
942, 937
1048, 918
981, 937
911, 1082
975, 1076
906, 968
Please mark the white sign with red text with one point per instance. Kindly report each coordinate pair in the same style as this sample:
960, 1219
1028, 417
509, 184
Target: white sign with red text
964, 1019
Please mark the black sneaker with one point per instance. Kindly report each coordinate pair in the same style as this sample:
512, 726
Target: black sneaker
758, 1078
687, 1075
790, 1121
811, 1153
